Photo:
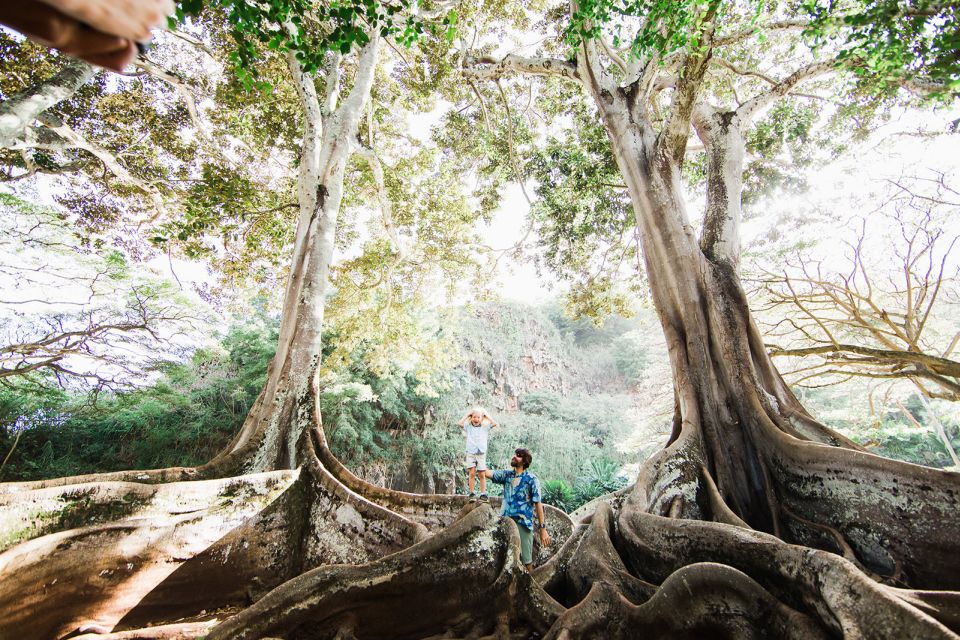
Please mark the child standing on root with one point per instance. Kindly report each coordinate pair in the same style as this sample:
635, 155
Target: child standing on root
476, 426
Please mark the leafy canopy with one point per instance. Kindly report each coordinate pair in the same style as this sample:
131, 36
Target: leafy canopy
888, 41
310, 30
885, 42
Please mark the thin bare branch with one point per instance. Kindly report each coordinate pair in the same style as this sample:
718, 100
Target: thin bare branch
488, 68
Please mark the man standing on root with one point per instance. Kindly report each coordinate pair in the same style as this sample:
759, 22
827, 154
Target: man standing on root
521, 497
476, 425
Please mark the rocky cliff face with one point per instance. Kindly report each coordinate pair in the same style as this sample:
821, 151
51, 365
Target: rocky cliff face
506, 371
510, 350
521, 366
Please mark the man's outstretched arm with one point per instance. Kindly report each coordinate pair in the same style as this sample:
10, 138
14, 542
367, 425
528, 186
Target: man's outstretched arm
129, 19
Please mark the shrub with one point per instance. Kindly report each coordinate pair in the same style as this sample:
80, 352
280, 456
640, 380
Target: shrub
559, 494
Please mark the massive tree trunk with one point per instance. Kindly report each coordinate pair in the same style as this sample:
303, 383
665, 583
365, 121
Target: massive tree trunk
744, 453
743, 449
755, 521
127, 549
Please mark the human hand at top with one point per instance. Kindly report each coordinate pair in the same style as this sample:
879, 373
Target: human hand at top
130, 19
55, 23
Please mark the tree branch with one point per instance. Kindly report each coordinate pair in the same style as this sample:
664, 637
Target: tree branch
778, 25
740, 71
748, 109
936, 364
20, 110
672, 140
386, 209
488, 68
109, 161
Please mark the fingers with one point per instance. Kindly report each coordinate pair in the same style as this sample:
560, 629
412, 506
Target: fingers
94, 46
54, 29
114, 60
131, 19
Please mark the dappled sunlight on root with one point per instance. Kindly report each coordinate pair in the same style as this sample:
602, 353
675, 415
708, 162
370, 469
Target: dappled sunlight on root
466, 580
61, 579
179, 631
170, 552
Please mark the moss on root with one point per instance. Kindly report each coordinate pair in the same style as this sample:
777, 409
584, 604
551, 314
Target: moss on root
77, 508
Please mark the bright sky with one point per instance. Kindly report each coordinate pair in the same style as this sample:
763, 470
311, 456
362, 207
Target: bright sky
516, 281
854, 184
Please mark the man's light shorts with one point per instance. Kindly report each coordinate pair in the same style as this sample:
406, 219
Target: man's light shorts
478, 460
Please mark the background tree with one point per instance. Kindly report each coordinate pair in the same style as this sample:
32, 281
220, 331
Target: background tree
78, 315
866, 318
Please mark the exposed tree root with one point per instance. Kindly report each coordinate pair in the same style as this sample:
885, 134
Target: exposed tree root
941, 605
319, 553
588, 559
892, 514
179, 631
699, 601
416, 593
170, 552
216, 537
820, 584
433, 511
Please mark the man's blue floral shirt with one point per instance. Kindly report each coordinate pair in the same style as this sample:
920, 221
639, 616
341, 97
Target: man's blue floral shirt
518, 499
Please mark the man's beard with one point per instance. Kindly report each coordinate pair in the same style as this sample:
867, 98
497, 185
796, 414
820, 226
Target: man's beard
514, 463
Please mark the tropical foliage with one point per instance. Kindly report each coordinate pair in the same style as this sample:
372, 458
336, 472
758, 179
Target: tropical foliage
184, 418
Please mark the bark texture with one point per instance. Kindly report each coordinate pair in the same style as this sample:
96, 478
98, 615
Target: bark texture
18, 112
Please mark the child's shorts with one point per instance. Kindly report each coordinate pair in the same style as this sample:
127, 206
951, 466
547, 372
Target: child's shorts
478, 460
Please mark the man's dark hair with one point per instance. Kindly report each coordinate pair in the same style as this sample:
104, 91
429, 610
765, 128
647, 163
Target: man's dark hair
526, 456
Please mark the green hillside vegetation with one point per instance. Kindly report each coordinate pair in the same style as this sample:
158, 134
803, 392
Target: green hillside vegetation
398, 431
391, 428
184, 418
888, 432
